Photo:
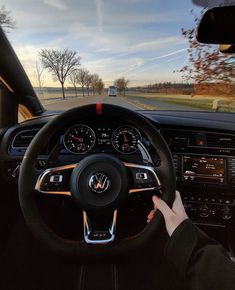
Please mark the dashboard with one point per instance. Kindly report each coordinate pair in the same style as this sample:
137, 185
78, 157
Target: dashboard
83, 138
202, 147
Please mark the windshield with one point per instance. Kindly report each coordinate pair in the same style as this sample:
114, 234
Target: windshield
133, 53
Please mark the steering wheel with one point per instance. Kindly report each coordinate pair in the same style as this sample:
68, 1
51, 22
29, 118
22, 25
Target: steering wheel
99, 184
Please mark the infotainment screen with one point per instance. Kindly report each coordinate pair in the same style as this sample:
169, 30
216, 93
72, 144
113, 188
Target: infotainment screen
203, 169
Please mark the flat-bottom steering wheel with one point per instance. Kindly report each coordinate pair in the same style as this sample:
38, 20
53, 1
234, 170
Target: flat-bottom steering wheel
98, 184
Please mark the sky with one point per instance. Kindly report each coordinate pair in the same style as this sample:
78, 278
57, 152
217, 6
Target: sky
138, 39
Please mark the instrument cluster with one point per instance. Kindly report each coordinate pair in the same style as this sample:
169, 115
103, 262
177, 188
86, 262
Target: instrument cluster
80, 139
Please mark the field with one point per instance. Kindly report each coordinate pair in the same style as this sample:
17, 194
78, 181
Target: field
49, 96
208, 103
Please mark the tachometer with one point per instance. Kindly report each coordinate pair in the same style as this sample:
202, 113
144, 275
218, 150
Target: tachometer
79, 139
125, 139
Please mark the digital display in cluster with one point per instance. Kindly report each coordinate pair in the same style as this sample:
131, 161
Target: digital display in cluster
103, 136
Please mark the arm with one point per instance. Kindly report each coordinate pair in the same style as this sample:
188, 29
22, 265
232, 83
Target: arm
201, 260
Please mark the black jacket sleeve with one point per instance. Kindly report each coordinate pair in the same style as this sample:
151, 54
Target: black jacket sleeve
202, 261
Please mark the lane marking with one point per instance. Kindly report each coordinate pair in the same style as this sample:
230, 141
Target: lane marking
145, 106
130, 103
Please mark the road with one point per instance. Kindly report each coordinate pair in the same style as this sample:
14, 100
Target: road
130, 103
81, 101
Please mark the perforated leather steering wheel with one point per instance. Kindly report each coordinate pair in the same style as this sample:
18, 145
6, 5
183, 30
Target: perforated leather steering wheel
99, 183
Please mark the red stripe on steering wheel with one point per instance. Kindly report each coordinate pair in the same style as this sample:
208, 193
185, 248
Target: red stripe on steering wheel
99, 109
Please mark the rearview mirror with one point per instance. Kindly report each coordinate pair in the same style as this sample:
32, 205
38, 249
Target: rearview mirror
217, 26
213, 3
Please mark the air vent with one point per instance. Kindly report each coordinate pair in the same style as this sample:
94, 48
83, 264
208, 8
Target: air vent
220, 140
177, 140
23, 138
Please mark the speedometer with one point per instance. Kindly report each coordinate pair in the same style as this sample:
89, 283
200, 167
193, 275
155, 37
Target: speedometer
125, 139
79, 139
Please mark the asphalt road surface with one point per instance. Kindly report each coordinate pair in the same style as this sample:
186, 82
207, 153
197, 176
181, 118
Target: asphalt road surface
134, 104
61, 105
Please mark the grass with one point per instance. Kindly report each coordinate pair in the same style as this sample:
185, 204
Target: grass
200, 102
204, 105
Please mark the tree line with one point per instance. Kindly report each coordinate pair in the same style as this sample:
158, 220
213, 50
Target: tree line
121, 85
166, 88
65, 65
168, 85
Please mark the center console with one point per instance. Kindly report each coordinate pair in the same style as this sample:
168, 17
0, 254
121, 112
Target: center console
205, 176
207, 187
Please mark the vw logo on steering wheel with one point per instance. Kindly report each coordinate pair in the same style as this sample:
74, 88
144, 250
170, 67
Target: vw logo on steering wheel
99, 182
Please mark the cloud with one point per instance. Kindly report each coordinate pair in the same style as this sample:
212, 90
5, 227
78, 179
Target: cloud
158, 43
169, 54
99, 14
28, 55
58, 4
174, 58
148, 62
144, 17
133, 66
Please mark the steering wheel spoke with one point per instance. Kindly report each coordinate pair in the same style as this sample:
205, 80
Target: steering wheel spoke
55, 181
99, 229
142, 178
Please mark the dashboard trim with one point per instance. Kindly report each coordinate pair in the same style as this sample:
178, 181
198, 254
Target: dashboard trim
201, 131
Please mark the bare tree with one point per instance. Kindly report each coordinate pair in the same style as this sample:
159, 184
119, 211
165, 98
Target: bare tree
88, 79
6, 21
82, 75
39, 72
60, 63
99, 86
94, 79
74, 80
121, 85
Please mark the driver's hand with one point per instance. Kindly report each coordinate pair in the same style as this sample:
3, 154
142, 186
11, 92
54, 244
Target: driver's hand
173, 217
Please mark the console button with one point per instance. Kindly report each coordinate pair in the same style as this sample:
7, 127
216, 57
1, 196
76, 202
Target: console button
226, 213
56, 178
204, 211
141, 176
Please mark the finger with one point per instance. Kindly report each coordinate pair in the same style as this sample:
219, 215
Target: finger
163, 207
151, 214
178, 204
